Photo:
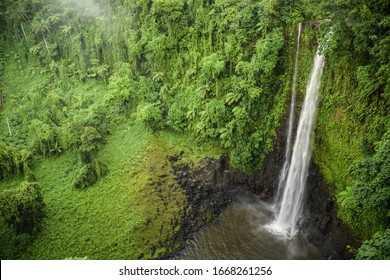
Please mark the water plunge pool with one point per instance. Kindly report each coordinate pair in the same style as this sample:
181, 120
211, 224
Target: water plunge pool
239, 233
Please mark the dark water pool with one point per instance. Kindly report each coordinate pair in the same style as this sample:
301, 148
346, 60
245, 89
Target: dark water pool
240, 234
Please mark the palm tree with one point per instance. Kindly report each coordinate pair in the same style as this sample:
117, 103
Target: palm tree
41, 26
19, 14
66, 29
54, 18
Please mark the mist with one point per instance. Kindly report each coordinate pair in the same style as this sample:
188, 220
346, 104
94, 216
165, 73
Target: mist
85, 8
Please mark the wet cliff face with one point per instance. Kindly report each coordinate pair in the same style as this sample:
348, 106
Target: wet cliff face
268, 178
213, 183
209, 187
321, 224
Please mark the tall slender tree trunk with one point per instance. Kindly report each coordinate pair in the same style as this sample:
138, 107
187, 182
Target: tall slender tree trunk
47, 48
24, 33
9, 127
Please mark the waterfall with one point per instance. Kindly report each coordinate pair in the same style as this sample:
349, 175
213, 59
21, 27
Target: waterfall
293, 192
287, 156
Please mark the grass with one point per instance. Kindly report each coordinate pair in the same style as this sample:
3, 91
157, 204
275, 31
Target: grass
96, 222
190, 147
10, 183
131, 213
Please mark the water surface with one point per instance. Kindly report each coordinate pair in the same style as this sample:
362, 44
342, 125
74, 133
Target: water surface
240, 233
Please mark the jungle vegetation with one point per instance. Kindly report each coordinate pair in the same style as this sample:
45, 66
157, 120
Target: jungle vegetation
95, 94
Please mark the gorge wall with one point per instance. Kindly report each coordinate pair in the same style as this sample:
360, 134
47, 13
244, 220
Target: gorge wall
214, 183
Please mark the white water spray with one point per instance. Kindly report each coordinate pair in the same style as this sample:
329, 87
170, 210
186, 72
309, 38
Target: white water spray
284, 172
293, 193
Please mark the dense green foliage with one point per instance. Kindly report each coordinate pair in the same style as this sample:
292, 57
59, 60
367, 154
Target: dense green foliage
22, 208
352, 133
21, 214
219, 71
377, 248
213, 70
14, 161
367, 203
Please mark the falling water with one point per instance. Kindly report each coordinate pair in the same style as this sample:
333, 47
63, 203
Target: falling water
287, 156
291, 203
247, 230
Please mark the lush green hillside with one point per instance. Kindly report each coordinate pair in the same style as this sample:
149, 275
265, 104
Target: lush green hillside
354, 119
95, 95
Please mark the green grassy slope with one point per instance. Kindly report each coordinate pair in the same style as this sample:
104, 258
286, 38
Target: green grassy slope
132, 212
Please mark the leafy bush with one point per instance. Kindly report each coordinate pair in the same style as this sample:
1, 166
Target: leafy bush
14, 161
6, 163
88, 174
366, 204
22, 208
212, 66
43, 136
150, 114
85, 177
167, 6
122, 88
21, 215
87, 140
12, 245
249, 154
377, 248
176, 118
90, 141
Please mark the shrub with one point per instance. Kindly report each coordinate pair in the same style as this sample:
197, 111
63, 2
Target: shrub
90, 141
14, 161
23, 208
6, 163
43, 136
365, 205
88, 174
377, 248
12, 245
150, 113
21, 215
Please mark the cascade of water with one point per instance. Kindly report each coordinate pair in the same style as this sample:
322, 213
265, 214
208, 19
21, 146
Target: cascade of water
291, 202
291, 117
